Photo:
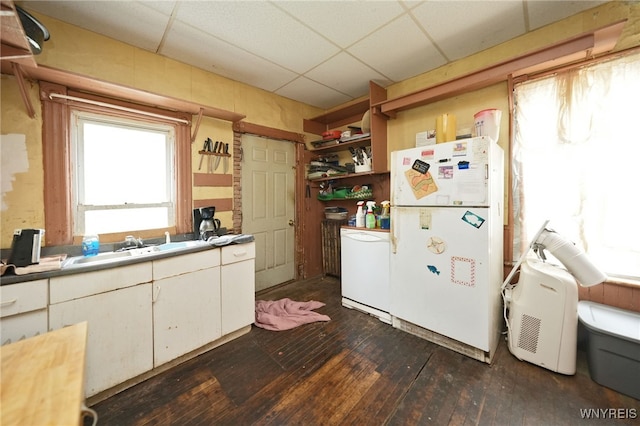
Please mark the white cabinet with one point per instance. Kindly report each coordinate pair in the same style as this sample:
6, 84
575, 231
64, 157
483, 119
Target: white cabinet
186, 304
139, 316
238, 286
23, 310
116, 303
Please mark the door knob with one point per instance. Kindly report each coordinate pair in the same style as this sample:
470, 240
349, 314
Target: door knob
291, 222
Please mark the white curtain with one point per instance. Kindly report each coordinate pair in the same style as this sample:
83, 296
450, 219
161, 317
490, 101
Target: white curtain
576, 161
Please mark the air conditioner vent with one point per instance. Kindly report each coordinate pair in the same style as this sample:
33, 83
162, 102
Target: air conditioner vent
529, 332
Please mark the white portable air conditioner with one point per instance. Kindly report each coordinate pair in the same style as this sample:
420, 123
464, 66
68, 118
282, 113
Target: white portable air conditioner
541, 309
543, 316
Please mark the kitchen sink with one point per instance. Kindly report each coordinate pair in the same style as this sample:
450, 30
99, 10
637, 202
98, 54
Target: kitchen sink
115, 256
107, 257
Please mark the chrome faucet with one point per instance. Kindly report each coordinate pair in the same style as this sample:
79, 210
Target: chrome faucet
131, 242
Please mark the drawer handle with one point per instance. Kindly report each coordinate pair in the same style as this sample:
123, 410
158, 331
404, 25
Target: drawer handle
8, 302
239, 253
155, 296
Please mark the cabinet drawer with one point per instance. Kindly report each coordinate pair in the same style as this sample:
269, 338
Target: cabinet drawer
75, 286
238, 252
23, 297
185, 263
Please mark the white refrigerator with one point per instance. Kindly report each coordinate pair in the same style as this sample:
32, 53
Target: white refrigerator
446, 235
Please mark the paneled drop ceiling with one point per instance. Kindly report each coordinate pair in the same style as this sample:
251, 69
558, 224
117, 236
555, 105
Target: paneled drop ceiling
322, 53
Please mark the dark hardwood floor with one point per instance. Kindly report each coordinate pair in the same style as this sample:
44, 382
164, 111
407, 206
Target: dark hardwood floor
356, 370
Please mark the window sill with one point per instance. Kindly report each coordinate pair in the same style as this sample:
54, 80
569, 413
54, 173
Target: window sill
625, 282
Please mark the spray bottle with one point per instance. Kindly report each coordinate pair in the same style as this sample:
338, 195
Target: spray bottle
370, 219
360, 215
385, 220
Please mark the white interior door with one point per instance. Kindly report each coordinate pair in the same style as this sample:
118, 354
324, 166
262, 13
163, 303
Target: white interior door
268, 207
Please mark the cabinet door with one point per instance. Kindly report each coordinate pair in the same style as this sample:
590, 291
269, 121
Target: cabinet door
119, 337
186, 313
238, 295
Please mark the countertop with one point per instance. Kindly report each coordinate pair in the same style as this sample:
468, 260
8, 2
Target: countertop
14, 279
43, 378
365, 229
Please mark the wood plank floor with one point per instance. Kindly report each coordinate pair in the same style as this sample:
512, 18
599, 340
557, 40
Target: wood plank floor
356, 370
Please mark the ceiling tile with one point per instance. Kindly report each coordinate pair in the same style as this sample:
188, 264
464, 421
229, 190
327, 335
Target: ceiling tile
304, 90
542, 13
262, 29
461, 28
343, 22
399, 50
134, 22
346, 74
217, 56
329, 48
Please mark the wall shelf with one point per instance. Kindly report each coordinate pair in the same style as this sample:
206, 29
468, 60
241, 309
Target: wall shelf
341, 146
351, 113
573, 50
14, 46
92, 85
346, 176
347, 114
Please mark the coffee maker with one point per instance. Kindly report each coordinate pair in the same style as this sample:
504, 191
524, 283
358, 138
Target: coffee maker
25, 247
204, 224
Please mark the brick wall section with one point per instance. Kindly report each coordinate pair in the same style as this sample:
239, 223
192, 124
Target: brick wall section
237, 185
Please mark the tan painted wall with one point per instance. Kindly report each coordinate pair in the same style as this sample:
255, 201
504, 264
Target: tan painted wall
23, 204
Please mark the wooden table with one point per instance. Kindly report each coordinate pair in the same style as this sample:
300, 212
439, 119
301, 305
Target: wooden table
43, 378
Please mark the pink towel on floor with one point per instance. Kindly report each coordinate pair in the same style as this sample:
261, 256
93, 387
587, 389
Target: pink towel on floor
285, 314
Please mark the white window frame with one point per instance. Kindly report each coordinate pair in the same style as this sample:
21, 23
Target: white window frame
79, 207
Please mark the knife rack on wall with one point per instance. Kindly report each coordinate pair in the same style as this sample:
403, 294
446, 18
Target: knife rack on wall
221, 154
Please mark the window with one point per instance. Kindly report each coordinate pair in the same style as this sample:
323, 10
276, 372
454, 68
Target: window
575, 161
60, 126
123, 174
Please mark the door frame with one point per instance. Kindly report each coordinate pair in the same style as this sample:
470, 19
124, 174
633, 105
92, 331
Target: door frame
243, 127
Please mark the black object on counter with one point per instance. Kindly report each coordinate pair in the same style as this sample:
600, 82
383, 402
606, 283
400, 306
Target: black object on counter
25, 247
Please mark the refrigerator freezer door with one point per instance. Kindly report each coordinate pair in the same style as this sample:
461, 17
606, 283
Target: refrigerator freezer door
440, 271
447, 174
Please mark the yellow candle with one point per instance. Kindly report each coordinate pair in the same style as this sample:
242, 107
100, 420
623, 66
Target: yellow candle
445, 128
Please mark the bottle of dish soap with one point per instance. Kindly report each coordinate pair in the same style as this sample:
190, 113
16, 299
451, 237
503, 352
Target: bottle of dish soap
360, 215
370, 219
385, 220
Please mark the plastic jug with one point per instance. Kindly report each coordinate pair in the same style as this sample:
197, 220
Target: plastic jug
487, 123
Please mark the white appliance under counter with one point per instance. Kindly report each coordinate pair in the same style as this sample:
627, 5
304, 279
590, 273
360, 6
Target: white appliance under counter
365, 271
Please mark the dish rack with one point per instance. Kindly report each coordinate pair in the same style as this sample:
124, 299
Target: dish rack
335, 213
